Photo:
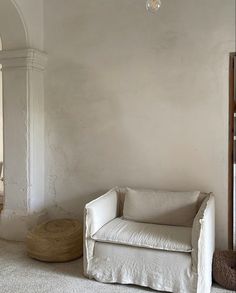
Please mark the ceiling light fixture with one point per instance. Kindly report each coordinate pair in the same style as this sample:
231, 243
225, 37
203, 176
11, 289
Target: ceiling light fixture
153, 5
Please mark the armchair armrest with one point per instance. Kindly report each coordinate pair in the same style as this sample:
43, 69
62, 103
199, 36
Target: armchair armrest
203, 243
100, 211
96, 214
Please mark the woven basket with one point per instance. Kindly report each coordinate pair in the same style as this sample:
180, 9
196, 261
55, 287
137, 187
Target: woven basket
224, 269
56, 241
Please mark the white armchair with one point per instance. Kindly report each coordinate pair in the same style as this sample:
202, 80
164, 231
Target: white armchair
161, 240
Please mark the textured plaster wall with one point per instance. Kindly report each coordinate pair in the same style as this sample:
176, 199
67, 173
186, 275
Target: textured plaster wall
136, 99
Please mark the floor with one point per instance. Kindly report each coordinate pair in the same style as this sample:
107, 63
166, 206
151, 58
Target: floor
20, 274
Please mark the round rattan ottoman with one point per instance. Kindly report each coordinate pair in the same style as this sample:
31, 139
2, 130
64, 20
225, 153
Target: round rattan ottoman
56, 241
224, 269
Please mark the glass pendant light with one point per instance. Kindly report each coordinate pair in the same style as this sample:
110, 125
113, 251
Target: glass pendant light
153, 5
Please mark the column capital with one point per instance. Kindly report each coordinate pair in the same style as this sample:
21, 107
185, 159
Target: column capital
23, 58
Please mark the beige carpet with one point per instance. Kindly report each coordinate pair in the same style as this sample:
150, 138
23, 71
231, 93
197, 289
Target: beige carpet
20, 274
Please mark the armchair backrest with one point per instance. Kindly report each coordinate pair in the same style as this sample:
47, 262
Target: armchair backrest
159, 207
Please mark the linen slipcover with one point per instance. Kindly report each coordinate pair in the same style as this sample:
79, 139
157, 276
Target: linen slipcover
163, 237
161, 207
162, 270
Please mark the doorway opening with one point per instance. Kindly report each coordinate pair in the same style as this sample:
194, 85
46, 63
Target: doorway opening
1, 138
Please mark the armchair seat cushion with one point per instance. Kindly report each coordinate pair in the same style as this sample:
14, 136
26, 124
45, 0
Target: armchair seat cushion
162, 237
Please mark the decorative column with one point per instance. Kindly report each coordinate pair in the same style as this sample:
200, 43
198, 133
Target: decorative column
23, 123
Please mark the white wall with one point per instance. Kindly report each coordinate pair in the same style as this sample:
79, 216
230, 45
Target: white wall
136, 99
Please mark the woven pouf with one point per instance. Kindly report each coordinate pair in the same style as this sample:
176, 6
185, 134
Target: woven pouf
224, 269
56, 241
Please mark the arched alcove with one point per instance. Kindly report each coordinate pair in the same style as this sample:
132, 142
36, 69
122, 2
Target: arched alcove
12, 28
23, 107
